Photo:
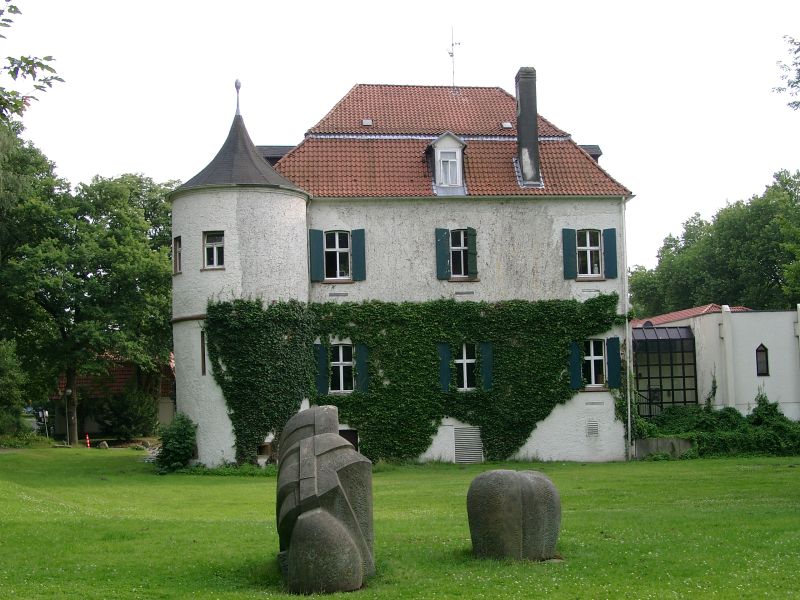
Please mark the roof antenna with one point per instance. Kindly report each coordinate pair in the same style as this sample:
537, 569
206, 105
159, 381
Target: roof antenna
238, 86
452, 53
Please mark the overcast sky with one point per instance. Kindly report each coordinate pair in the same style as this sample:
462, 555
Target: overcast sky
677, 94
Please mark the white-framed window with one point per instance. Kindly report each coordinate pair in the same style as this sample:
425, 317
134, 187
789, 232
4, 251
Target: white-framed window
459, 256
214, 246
337, 255
448, 167
594, 362
176, 254
589, 253
341, 368
465, 367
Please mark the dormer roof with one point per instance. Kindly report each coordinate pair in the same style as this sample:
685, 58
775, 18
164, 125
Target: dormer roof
238, 162
446, 136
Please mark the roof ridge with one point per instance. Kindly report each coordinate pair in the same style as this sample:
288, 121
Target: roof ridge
428, 86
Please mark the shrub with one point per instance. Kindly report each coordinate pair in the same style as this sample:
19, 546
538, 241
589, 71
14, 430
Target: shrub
10, 422
766, 413
127, 416
178, 444
22, 439
726, 432
677, 420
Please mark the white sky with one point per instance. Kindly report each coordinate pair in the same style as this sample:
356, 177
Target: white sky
677, 94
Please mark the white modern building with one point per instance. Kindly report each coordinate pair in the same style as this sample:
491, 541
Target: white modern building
407, 193
723, 353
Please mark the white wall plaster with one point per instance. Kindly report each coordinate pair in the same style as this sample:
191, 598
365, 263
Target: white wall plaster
725, 349
563, 434
518, 242
200, 398
266, 256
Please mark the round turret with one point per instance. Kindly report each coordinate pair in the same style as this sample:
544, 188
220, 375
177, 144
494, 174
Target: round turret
239, 231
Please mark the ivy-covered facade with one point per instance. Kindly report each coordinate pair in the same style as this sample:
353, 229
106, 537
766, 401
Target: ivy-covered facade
443, 264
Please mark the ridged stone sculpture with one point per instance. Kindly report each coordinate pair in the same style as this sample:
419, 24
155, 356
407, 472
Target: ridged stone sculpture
513, 514
324, 506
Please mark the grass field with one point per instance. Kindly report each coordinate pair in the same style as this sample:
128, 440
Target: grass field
79, 523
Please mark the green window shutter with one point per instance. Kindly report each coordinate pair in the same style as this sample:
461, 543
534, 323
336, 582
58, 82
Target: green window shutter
569, 244
322, 368
357, 244
362, 369
472, 252
316, 255
442, 253
575, 366
610, 253
444, 366
487, 359
613, 362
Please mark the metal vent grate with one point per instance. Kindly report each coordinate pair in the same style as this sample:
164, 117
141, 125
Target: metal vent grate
469, 448
592, 428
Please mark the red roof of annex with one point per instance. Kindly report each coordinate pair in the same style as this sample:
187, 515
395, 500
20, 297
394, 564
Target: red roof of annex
686, 313
343, 157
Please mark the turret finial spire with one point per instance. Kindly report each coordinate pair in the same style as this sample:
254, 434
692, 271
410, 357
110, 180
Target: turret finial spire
238, 85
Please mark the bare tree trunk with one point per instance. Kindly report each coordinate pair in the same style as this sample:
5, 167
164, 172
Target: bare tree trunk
72, 401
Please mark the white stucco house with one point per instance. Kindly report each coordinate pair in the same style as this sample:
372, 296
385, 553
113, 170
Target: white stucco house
407, 193
725, 353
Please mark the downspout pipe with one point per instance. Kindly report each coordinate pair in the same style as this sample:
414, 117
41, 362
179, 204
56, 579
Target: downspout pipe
628, 341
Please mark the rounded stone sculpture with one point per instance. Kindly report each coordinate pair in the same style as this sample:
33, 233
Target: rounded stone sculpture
514, 514
324, 506
323, 556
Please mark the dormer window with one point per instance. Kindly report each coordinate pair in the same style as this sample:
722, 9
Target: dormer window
448, 171
448, 166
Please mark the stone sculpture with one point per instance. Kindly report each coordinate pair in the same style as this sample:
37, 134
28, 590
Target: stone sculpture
513, 514
324, 506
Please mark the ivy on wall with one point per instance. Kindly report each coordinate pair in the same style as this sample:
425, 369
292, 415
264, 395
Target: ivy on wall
261, 357
264, 374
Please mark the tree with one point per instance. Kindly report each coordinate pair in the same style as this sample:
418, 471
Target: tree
790, 229
749, 254
12, 383
12, 102
26, 179
790, 73
85, 277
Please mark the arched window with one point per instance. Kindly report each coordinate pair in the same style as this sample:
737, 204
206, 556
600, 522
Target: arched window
762, 360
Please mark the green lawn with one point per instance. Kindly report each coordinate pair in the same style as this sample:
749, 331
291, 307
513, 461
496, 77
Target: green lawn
80, 523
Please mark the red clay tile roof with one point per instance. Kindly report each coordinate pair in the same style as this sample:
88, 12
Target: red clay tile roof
427, 110
344, 168
686, 313
342, 158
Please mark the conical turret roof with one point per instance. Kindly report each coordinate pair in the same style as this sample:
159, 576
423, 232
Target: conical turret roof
238, 163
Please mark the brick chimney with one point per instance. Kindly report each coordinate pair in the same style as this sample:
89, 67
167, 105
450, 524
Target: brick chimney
527, 127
